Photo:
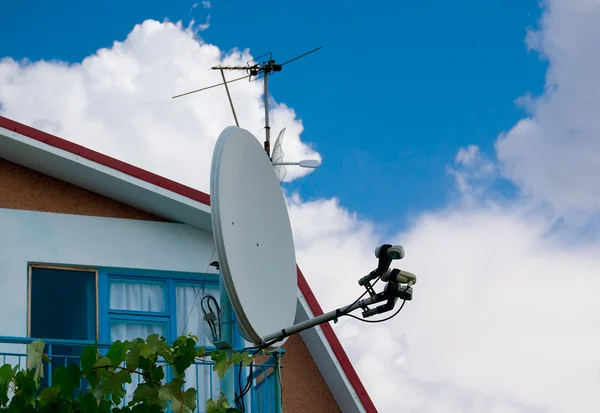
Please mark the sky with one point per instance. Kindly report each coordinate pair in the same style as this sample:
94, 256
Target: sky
466, 132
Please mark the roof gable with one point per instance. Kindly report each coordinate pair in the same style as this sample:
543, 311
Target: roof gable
167, 199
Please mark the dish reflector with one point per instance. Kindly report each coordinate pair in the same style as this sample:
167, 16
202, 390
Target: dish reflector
253, 236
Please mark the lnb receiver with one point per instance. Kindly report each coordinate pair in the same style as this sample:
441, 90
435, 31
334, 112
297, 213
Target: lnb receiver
394, 252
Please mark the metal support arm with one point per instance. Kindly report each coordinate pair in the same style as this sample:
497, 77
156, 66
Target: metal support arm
390, 294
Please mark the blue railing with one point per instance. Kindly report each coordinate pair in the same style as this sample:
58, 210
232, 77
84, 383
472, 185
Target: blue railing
264, 395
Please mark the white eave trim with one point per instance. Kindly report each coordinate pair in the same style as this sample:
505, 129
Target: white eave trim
102, 180
327, 362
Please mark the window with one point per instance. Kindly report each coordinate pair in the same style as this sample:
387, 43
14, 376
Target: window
106, 305
115, 304
140, 304
62, 303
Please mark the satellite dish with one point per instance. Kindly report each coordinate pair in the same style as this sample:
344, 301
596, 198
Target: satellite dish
253, 236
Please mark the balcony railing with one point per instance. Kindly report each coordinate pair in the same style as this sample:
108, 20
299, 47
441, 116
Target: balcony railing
264, 395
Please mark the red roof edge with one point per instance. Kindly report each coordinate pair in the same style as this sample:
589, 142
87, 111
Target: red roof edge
336, 346
204, 198
102, 159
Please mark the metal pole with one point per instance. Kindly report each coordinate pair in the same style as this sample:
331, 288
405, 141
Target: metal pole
267, 127
227, 383
323, 318
277, 382
229, 96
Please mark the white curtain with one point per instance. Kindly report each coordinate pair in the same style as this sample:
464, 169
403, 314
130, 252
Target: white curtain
126, 295
189, 320
150, 297
135, 297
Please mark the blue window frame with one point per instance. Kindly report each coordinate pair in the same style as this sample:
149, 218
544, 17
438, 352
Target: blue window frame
136, 303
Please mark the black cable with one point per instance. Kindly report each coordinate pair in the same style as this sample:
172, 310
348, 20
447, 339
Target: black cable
215, 329
359, 298
211, 324
378, 321
239, 398
187, 319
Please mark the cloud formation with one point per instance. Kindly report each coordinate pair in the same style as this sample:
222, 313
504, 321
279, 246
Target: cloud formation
553, 154
505, 314
501, 319
118, 101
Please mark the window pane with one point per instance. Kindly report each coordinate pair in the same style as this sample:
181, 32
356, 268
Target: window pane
63, 304
137, 296
130, 330
189, 311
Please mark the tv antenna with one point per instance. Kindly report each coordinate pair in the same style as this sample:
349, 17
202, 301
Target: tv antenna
257, 71
278, 162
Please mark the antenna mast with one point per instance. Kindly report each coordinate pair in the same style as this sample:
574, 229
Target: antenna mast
258, 70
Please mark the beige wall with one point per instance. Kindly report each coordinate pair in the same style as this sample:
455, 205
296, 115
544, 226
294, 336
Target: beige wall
303, 387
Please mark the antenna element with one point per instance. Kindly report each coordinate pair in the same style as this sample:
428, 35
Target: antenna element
258, 70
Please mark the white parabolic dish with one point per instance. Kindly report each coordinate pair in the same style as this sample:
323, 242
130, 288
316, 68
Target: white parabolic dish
253, 236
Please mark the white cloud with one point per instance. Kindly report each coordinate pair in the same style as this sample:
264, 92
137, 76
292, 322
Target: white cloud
205, 25
118, 101
505, 314
206, 4
554, 154
502, 316
473, 172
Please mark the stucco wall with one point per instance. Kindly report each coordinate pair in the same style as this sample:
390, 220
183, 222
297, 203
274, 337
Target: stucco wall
44, 237
90, 237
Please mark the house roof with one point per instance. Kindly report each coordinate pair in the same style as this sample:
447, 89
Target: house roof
163, 197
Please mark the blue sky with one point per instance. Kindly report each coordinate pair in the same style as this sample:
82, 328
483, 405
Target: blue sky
396, 90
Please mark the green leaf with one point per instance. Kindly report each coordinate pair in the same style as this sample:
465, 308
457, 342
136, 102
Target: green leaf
133, 356
157, 373
171, 392
6, 376
117, 352
200, 351
89, 355
114, 386
67, 379
48, 395
25, 382
143, 392
189, 399
221, 363
145, 364
98, 394
220, 405
105, 406
243, 358
146, 351
103, 363
89, 403
103, 368
153, 339
18, 404
218, 356
35, 350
